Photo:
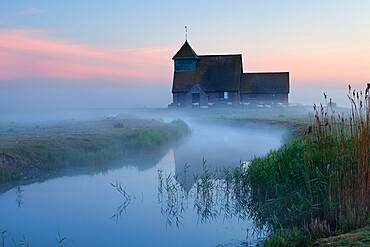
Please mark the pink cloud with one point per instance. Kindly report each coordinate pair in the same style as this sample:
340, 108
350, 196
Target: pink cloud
31, 54
31, 11
329, 67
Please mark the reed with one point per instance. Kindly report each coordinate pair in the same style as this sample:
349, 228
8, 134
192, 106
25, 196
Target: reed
62, 241
337, 165
172, 198
21, 242
3, 236
205, 187
127, 200
19, 193
320, 180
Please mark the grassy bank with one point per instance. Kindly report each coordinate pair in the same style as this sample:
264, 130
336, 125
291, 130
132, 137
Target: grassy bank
317, 185
75, 145
360, 237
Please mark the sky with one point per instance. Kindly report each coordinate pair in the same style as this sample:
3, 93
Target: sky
85, 53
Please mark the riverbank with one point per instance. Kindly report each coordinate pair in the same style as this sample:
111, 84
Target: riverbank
359, 237
27, 150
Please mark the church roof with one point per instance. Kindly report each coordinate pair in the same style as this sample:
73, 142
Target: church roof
265, 82
214, 73
185, 52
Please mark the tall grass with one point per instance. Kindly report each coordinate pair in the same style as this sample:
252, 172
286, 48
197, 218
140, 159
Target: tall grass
337, 165
319, 181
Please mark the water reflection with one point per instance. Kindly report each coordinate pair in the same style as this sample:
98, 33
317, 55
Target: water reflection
214, 194
19, 193
141, 161
172, 198
127, 200
223, 194
222, 147
206, 195
207, 173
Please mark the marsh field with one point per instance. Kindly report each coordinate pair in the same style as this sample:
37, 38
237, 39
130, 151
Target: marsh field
118, 177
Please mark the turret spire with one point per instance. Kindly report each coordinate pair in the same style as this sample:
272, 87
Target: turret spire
185, 52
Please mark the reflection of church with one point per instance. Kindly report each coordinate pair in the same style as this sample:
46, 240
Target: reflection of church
221, 145
193, 163
222, 151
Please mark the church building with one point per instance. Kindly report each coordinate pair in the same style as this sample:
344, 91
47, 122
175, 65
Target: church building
219, 80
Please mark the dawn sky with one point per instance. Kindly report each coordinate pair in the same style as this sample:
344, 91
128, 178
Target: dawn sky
51, 47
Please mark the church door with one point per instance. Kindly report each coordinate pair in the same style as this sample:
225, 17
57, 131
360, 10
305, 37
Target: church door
195, 98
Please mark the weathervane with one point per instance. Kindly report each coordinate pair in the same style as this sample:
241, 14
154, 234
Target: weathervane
186, 33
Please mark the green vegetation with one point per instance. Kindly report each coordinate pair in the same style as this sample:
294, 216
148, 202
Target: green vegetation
118, 125
290, 237
87, 149
360, 237
318, 183
10, 175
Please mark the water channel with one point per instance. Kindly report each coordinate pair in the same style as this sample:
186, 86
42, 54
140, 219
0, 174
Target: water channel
127, 203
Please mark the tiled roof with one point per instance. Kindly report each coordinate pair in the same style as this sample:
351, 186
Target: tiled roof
185, 52
265, 82
213, 73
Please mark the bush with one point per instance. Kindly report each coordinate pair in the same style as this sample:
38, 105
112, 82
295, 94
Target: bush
118, 125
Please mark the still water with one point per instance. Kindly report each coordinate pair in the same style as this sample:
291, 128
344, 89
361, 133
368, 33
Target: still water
84, 206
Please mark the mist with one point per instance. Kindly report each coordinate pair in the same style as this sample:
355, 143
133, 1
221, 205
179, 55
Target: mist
62, 103
309, 95
134, 97
86, 97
